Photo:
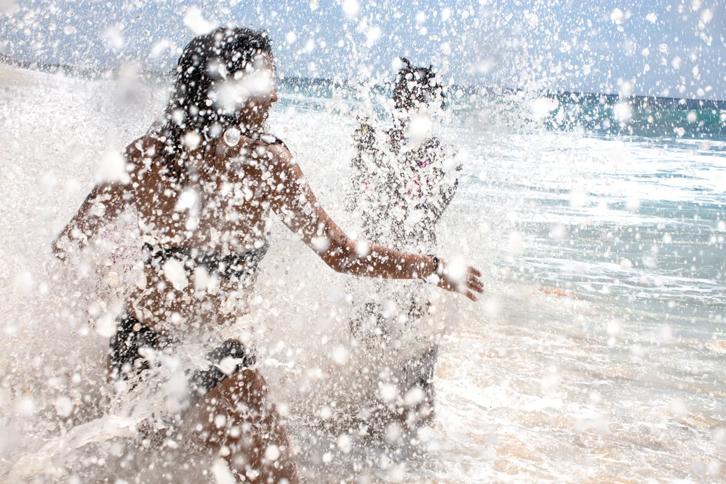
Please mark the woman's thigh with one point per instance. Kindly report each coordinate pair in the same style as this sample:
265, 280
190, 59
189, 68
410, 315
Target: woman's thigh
237, 420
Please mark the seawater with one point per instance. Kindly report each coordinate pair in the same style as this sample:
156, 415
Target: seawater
598, 352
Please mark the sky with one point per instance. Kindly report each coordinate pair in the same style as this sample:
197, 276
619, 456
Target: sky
660, 47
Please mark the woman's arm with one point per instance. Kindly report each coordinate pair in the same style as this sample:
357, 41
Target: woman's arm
296, 205
103, 205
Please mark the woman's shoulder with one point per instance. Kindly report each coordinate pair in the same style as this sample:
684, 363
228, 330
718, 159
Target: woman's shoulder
141, 153
268, 153
433, 143
263, 141
274, 146
439, 148
146, 146
271, 140
258, 147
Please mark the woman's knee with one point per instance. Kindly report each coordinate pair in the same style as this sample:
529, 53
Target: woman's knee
239, 399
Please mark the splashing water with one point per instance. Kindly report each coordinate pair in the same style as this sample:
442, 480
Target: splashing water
598, 352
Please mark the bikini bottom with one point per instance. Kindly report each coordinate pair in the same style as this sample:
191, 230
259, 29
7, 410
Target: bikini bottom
132, 336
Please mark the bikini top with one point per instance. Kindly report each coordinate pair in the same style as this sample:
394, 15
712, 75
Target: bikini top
239, 265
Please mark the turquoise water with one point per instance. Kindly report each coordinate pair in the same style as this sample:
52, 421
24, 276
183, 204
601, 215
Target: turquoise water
647, 233
658, 118
649, 116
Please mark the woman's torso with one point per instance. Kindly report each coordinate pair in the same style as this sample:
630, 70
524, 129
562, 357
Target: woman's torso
397, 186
204, 229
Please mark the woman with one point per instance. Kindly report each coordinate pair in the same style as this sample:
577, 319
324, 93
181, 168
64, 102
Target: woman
203, 183
403, 181
403, 178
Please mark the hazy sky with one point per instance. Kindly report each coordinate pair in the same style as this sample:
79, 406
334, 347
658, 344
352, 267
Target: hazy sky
673, 48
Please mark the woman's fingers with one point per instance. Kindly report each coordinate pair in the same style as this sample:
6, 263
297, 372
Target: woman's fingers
474, 279
470, 289
474, 283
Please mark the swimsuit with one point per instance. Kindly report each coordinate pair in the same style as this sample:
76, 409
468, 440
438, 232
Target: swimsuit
225, 266
132, 336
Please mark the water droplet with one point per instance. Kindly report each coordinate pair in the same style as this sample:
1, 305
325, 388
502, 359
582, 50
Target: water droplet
232, 136
344, 443
272, 453
63, 406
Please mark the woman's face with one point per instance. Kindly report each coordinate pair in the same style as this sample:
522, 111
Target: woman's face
261, 92
248, 93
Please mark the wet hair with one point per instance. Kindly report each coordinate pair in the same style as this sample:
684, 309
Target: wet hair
416, 85
205, 60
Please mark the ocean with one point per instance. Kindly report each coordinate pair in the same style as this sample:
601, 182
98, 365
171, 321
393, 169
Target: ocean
596, 354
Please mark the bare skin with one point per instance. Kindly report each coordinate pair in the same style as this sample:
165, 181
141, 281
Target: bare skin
236, 189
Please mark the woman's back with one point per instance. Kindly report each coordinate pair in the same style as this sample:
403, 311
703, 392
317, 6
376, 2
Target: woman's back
217, 196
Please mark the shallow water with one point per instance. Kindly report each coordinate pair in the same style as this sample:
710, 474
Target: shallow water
597, 354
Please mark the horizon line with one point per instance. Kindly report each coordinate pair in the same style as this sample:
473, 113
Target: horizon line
98, 73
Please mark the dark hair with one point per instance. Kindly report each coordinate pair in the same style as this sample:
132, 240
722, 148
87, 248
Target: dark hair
204, 61
415, 85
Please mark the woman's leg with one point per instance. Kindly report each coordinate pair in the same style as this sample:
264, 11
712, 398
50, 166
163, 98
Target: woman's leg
233, 417
236, 420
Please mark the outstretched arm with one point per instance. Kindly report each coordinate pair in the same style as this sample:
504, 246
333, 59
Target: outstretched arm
105, 202
298, 208
103, 205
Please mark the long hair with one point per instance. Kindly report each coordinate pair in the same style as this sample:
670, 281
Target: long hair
206, 61
416, 85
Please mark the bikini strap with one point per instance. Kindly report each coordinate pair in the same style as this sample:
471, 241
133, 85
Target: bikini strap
271, 139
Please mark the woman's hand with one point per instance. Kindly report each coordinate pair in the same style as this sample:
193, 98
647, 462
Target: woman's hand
467, 283
58, 247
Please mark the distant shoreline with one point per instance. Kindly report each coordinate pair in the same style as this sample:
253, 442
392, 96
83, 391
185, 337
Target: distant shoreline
91, 73
77, 71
